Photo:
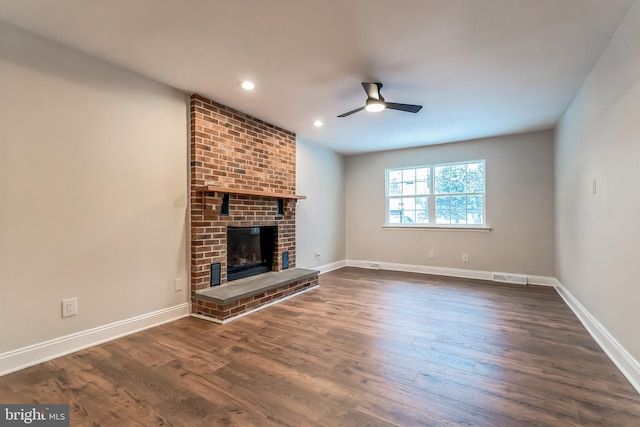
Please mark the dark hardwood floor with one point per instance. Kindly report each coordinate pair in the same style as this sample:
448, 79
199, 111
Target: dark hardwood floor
368, 348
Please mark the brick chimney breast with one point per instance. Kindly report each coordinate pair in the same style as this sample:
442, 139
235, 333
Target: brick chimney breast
233, 150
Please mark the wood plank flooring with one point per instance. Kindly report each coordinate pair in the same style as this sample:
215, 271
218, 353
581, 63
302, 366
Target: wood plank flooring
368, 348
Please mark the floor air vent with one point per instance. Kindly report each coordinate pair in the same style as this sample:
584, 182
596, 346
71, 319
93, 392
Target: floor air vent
517, 279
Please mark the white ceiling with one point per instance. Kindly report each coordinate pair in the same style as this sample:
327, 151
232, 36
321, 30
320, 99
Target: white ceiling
479, 67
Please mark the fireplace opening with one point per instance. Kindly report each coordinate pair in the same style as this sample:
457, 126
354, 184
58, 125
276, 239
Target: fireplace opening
249, 251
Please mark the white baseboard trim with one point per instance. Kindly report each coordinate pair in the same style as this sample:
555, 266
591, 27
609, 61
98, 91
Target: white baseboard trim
330, 267
627, 364
231, 319
21, 358
443, 271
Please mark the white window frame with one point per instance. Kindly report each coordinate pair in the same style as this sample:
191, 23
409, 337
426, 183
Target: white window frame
432, 199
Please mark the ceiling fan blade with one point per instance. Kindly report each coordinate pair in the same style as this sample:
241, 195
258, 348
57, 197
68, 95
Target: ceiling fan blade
351, 112
372, 89
409, 108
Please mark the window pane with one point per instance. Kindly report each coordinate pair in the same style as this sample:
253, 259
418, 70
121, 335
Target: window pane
422, 217
443, 219
395, 176
443, 179
394, 203
475, 217
458, 202
475, 202
422, 187
395, 189
422, 174
474, 179
409, 217
394, 219
443, 202
409, 203
409, 188
443, 210
408, 175
422, 203
458, 216
457, 178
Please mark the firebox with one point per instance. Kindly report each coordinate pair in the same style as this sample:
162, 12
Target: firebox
250, 251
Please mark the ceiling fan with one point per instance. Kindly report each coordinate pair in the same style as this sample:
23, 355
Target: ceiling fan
375, 102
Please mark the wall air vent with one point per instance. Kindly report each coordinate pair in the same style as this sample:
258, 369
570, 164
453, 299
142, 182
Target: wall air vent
516, 279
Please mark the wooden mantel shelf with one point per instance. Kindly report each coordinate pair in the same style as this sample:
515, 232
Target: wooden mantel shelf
214, 189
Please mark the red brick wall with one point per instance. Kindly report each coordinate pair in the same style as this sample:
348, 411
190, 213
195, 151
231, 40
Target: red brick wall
233, 150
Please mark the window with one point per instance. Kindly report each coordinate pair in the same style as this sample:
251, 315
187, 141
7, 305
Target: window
443, 194
408, 195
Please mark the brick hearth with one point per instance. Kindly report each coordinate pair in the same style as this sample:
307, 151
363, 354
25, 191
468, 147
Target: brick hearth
224, 303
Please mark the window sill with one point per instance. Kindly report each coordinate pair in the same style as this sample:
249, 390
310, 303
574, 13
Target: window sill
482, 229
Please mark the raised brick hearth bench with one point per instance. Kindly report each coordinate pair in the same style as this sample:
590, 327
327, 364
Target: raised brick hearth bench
222, 304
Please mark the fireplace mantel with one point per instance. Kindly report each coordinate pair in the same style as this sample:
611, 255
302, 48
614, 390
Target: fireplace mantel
214, 189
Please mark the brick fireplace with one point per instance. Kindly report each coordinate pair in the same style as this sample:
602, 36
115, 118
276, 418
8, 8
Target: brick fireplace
251, 164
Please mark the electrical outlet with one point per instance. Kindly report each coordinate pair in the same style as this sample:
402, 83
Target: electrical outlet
69, 307
317, 254
465, 257
431, 255
177, 284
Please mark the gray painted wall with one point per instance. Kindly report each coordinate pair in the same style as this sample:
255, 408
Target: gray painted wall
320, 218
93, 191
519, 208
598, 234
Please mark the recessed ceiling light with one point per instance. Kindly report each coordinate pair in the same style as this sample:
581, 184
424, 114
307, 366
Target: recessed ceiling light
318, 123
248, 85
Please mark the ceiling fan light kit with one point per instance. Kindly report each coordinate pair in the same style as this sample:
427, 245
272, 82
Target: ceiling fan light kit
376, 103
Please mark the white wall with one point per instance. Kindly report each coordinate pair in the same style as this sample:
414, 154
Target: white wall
519, 208
598, 234
93, 191
320, 217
